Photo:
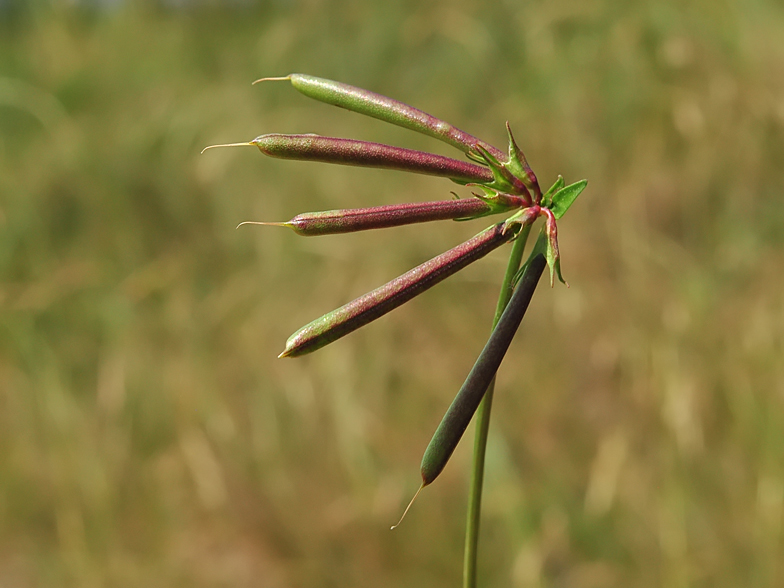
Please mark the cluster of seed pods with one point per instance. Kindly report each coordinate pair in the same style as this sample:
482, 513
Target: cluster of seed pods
506, 183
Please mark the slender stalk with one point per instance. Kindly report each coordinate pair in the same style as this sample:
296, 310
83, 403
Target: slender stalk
483, 425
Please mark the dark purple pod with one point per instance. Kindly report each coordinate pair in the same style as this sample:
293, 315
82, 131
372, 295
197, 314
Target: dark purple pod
359, 312
331, 222
463, 407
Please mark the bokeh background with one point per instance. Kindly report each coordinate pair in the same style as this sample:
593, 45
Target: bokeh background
150, 437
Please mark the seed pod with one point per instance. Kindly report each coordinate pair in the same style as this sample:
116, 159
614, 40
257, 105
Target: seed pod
366, 154
463, 407
386, 109
331, 222
380, 301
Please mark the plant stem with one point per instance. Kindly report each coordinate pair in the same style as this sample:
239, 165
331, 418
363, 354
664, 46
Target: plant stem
483, 425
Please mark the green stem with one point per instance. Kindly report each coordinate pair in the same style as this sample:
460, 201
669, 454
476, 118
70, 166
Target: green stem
483, 425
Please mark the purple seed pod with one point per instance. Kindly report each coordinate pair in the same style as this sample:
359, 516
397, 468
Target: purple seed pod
366, 154
331, 222
380, 301
386, 109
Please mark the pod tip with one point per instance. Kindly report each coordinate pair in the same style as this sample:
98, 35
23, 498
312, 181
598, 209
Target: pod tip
270, 224
405, 512
228, 145
281, 79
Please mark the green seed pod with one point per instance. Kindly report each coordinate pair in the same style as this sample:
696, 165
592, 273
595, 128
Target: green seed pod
380, 301
332, 222
462, 409
366, 154
386, 109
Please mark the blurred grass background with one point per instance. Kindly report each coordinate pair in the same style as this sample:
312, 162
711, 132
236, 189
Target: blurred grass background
150, 437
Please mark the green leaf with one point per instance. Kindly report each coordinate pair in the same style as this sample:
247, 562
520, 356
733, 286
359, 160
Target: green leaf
564, 198
547, 199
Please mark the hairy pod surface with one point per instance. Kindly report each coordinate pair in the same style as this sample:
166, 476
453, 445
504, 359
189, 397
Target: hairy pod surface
380, 301
367, 154
386, 109
463, 407
330, 222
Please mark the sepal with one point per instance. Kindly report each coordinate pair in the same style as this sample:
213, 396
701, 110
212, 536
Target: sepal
552, 254
518, 166
499, 202
505, 180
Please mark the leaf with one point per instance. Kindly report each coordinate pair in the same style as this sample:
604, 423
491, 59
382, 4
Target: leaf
547, 199
564, 198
